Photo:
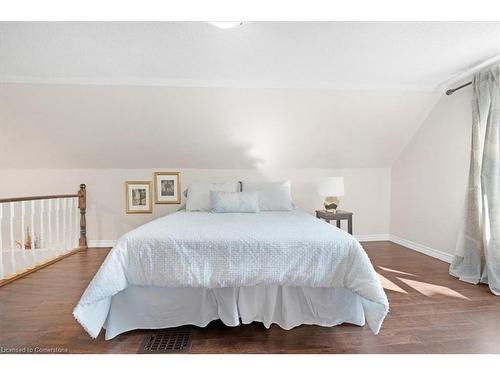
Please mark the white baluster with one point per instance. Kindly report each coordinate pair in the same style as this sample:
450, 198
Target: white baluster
69, 242
50, 244
77, 223
1, 243
73, 223
64, 234
23, 235
32, 233
58, 232
11, 238
41, 238
75, 229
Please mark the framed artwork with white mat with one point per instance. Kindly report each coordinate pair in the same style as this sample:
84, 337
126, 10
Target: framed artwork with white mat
138, 198
167, 188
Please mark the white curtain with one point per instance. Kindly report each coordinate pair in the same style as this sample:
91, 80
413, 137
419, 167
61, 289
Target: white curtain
478, 249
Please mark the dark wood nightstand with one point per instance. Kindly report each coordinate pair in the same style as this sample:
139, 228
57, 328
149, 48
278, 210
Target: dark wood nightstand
338, 216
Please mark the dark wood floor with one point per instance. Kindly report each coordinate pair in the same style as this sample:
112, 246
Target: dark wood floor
431, 312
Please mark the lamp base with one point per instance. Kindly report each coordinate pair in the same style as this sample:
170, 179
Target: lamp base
331, 204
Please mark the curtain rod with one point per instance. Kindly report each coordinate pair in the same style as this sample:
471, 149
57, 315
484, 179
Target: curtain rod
467, 73
451, 91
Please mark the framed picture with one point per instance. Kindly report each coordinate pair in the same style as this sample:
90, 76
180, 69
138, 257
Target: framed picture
138, 198
167, 188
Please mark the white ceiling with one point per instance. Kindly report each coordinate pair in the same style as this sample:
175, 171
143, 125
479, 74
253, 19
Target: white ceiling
120, 100
342, 55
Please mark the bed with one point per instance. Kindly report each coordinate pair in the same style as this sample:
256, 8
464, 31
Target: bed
286, 268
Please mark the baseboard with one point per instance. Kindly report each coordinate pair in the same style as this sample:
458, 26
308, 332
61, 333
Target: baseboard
101, 243
372, 237
438, 254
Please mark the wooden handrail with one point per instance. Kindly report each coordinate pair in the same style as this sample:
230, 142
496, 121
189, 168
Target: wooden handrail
36, 198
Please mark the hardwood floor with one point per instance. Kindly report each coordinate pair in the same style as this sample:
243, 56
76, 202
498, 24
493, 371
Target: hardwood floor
431, 312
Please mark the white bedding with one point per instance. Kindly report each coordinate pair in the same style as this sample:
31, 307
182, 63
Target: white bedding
211, 251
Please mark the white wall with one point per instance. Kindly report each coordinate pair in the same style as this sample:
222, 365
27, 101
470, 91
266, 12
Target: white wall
429, 177
367, 193
96, 126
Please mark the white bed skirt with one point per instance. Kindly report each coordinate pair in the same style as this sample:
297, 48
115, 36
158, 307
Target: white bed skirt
155, 307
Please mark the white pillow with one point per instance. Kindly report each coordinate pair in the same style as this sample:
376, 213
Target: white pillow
198, 197
185, 192
273, 196
222, 202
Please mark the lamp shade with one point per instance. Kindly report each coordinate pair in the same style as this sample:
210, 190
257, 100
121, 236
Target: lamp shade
332, 187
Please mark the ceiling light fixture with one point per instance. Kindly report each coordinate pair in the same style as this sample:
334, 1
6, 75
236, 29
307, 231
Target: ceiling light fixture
226, 24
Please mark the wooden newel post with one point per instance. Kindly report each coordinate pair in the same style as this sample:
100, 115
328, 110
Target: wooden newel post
82, 205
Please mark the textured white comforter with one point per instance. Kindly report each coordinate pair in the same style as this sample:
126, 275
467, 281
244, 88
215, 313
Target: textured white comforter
199, 249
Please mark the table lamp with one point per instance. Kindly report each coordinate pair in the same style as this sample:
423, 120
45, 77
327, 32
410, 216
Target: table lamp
331, 189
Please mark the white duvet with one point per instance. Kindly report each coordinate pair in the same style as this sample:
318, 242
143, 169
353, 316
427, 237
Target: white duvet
207, 250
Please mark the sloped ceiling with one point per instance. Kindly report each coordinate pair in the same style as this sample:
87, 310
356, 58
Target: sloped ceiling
299, 95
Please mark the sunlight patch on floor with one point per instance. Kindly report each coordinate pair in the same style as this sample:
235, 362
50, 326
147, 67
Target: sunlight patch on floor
396, 271
389, 285
430, 290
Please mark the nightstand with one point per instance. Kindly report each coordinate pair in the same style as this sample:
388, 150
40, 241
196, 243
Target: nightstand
338, 216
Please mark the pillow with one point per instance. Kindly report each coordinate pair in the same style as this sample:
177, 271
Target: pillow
222, 202
273, 196
185, 192
198, 197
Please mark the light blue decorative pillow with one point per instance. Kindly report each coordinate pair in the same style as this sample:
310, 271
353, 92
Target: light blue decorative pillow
225, 202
